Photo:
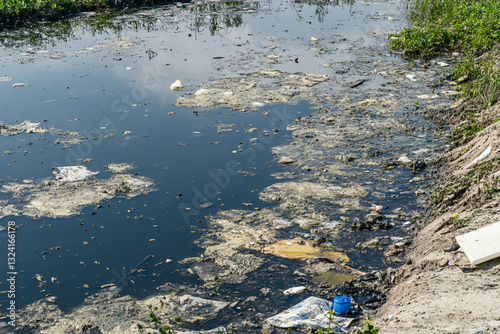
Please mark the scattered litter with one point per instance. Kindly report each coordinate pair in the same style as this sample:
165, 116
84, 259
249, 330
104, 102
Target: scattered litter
301, 249
294, 291
311, 313
24, 127
177, 85
58, 198
481, 245
73, 173
376, 208
442, 64
314, 39
18, 85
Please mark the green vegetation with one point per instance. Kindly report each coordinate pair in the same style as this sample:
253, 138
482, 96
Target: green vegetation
157, 323
368, 328
442, 25
468, 130
452, 191
460, 222
329, 330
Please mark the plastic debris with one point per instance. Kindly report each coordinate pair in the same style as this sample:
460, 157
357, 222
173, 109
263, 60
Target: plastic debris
312, 313
481, 245
342, 305
18, 85
177, 85
294, 291
404, 160
314, 39
480, 158
300, 249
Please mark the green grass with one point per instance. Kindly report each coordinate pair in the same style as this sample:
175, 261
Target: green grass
444, 25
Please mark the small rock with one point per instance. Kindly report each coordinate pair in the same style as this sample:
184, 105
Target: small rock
451, 247
442, 262
420, 192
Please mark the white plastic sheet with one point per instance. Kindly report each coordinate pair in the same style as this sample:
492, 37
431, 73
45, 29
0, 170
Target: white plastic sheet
481, 245
312, 313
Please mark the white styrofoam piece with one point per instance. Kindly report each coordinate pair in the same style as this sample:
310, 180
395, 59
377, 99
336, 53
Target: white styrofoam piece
481, 245
73, 173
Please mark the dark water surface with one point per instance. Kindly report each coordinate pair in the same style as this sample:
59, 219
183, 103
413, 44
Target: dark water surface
94, 75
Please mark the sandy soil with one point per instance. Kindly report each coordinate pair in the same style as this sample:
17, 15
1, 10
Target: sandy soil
438, 291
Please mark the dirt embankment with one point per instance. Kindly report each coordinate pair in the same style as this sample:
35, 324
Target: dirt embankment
437, 290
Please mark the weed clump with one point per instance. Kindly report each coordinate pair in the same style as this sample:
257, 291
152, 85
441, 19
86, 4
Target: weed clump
444, 25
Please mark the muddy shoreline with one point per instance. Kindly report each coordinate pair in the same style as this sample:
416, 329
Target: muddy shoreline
438, 290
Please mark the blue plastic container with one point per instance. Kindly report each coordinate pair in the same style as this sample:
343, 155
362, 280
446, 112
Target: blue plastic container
342, 305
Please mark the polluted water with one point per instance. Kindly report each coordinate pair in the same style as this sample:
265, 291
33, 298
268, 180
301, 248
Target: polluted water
204, 157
